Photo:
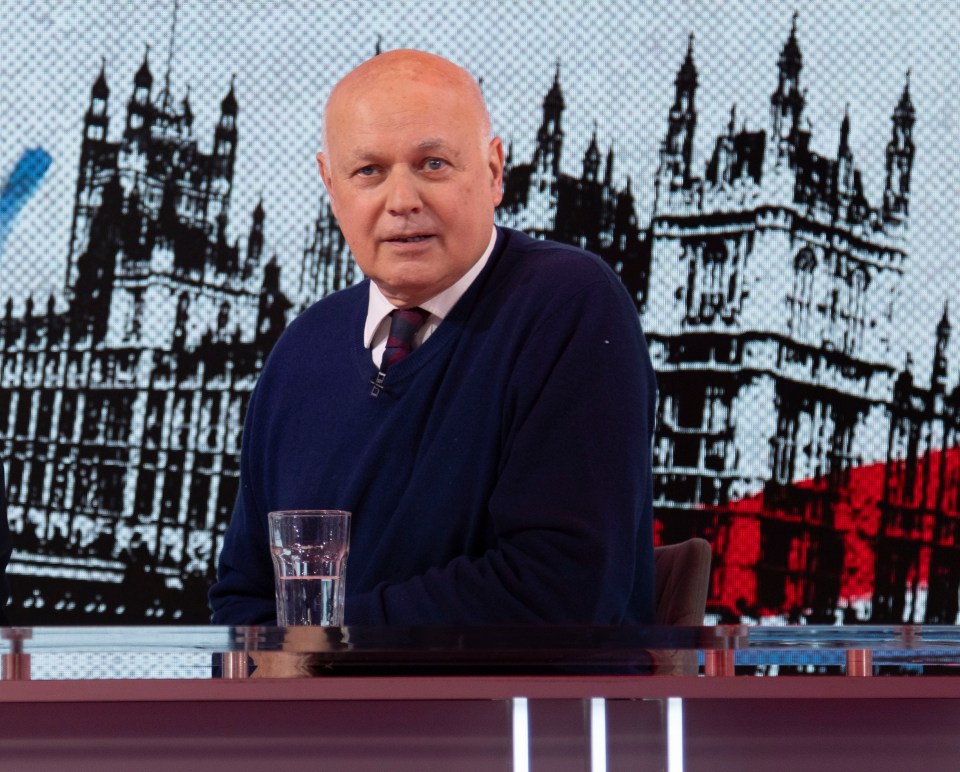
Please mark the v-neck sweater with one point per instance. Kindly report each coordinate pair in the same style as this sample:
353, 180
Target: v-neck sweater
501, 476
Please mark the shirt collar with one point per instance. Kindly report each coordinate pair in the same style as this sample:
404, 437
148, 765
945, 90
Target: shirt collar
378, 307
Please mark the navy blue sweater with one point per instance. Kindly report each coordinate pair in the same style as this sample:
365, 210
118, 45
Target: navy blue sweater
501, 477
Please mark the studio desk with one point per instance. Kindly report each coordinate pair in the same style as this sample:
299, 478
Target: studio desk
712, 698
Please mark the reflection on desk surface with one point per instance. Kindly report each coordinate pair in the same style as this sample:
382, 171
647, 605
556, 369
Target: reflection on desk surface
78, 653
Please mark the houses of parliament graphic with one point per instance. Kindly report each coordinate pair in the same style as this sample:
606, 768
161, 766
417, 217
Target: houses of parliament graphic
794, 431
121, 417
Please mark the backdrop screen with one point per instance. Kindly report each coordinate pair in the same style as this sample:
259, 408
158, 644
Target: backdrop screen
775, 184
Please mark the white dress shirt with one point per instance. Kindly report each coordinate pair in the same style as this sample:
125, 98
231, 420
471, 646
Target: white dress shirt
377, 325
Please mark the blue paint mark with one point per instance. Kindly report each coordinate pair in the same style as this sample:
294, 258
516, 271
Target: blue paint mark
19, 186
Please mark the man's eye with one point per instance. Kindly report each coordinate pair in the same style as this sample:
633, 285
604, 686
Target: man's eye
435, 164
366, 171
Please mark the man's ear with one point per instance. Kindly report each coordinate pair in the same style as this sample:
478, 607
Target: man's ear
495, 164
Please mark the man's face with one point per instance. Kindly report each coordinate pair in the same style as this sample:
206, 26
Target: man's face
412, 179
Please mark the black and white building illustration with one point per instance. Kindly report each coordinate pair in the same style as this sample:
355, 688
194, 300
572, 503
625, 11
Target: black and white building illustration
796, 430
122, 415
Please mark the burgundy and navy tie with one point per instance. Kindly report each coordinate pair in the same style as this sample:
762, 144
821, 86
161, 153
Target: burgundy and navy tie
404, 324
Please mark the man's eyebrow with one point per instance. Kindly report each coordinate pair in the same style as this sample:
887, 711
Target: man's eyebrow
365, 155
430, 143
433, 144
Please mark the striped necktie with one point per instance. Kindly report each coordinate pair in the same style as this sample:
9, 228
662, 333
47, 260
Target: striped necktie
404, 324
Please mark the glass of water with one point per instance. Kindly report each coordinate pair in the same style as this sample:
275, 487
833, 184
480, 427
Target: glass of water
309, 548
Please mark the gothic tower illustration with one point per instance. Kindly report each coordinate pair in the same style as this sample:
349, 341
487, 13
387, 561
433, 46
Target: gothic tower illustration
128, 404
776, 279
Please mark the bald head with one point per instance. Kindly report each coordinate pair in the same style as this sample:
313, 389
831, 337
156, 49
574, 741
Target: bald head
382, 76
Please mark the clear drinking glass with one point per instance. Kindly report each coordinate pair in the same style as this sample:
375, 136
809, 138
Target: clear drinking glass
309, 548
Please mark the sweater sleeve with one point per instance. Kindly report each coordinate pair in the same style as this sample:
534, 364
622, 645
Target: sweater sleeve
571, 508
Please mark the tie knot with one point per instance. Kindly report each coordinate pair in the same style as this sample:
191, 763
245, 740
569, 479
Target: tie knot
404, 325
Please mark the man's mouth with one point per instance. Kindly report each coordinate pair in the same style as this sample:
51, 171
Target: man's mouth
409, 239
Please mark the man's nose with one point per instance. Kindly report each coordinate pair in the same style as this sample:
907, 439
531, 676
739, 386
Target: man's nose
403, 194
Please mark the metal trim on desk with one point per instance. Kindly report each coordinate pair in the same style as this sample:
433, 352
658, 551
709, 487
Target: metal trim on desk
481, 687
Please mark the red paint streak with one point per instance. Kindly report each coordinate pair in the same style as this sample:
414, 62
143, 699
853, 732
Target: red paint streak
856, 518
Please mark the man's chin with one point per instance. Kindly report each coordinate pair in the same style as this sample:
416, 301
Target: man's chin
409, 290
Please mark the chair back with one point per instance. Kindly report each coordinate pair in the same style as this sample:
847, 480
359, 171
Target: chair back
682, 582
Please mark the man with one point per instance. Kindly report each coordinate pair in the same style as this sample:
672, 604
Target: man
5, 549
499, 473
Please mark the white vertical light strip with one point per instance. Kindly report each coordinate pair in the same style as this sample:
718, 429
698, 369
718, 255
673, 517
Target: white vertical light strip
598, 734
521, 735
674, 734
